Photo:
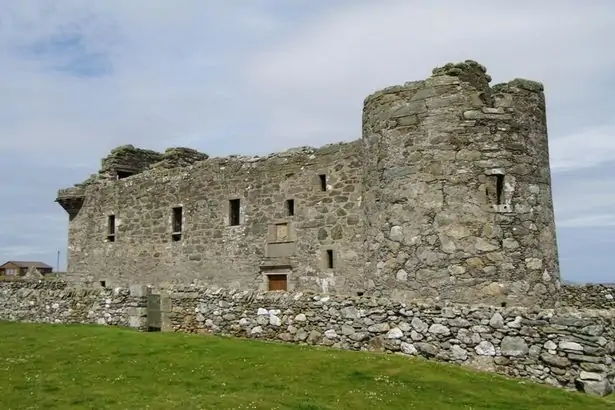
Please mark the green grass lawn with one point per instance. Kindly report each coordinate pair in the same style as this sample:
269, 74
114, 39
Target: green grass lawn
92, 367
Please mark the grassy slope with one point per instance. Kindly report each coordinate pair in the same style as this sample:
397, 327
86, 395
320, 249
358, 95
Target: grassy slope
91, 367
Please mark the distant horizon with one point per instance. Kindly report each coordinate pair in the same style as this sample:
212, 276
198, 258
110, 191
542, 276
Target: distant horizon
563, 281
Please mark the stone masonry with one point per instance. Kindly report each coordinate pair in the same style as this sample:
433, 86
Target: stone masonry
51, 301
564, 347
590, 296
568, 346
446, 197
457, 195
266, 240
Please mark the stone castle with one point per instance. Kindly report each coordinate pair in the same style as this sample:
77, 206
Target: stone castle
446, 197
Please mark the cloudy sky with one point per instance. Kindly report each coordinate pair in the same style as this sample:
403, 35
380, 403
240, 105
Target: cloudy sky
79, 77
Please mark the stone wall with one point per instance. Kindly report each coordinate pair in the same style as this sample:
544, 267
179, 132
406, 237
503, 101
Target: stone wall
588, 296
54, 301
446, 197
564, 347
128, 159
327, 216
458, 190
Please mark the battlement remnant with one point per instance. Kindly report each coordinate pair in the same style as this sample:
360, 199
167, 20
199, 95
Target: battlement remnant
126, 160
446, 197
469, 71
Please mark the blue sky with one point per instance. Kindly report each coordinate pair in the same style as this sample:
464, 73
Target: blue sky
78, 78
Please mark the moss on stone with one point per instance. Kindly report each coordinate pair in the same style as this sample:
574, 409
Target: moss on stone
520, 83
468, 71
528, 85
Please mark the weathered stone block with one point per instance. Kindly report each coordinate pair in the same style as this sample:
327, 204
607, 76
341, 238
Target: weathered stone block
139, 291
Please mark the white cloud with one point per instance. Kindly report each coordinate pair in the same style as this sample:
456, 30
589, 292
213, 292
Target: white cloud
178, 74
328, 67
585, 148
585, 202
168, 73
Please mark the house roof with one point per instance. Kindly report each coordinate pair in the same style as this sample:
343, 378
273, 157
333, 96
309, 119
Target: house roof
27, 264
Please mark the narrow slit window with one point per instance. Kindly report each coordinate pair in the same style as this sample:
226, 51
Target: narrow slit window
499, 188
323, 182
234, 212
111, 228
290, 207
495, 189
177, 223
330, 258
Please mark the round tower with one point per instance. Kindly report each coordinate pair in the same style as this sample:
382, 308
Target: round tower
457, 191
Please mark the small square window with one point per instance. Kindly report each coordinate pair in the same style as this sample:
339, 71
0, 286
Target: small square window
277, 282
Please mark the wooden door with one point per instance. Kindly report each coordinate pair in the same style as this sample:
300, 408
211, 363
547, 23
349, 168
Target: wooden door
277, 282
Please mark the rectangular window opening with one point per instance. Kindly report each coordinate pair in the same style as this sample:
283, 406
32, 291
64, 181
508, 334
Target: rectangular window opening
124, 174
290, 207
111, 228
323, 182
495, 189
277, 282
234, 212
103, 283
177, 223
330, 258
499, 188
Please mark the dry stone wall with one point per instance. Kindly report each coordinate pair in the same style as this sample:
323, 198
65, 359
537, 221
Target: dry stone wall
570, 348
566, 347
588, 296
49, 301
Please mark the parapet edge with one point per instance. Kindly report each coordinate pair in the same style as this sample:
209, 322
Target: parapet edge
468, 71
180, 158
519, 84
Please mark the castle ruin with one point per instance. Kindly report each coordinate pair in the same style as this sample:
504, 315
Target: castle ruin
446, 197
